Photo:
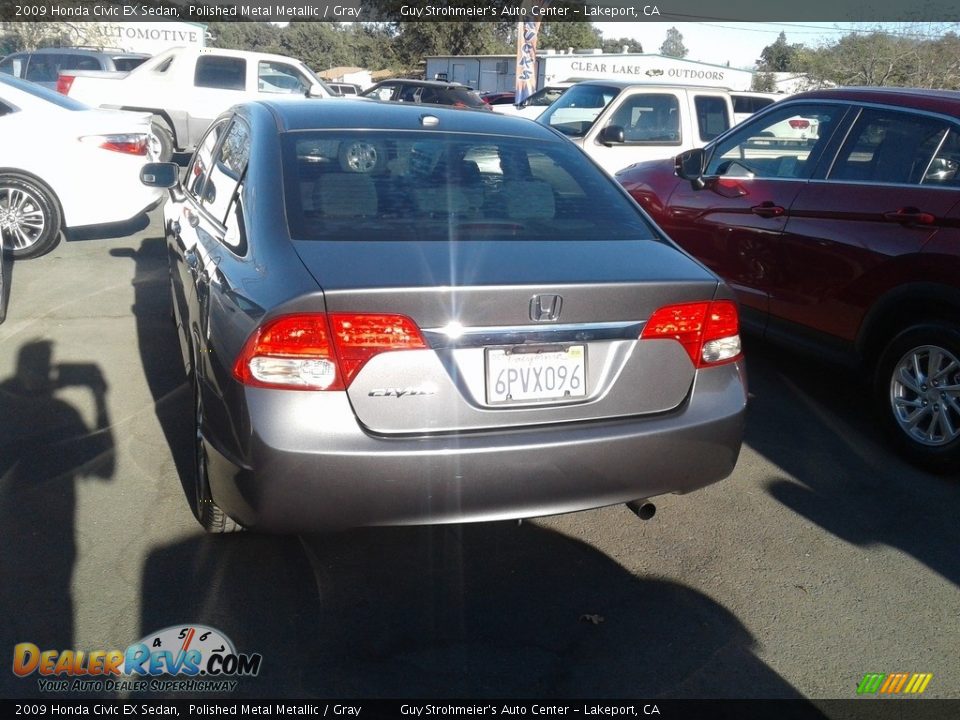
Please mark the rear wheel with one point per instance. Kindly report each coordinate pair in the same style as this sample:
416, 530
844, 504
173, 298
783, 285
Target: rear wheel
30, 217
917, 389
161, 141
207, 512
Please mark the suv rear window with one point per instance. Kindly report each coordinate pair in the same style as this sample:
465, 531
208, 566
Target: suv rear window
226, 73
401, 186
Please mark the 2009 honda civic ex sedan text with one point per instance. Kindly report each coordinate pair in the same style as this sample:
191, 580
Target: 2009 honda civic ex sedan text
395, 315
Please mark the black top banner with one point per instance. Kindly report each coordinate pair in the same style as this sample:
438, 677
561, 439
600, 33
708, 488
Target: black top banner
477, 10
863, 709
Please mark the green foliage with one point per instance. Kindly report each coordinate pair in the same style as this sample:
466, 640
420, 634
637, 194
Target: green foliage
615, 45
763, 82
673, 46
563, 35
779, 56
881, 58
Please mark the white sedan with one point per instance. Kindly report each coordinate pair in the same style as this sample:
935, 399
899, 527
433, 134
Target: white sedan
65, 165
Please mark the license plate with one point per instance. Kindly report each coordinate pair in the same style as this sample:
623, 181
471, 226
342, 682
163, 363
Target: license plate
531, 374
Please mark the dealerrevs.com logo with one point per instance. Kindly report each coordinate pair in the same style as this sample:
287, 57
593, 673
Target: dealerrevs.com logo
182, 658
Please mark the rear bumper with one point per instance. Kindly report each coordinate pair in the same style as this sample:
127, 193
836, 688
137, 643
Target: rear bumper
334, 475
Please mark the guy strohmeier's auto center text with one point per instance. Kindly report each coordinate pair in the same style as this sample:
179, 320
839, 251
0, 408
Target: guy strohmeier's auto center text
316, 10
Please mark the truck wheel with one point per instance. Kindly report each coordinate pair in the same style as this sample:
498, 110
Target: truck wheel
161, 141
917, 390
30, 216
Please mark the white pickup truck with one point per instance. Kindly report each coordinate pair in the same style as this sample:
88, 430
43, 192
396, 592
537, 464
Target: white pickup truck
186, 88
621, 123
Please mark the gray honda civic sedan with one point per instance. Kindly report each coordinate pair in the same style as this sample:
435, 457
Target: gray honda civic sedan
397, 315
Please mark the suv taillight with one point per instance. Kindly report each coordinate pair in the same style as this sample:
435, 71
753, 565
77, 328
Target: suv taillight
64, 83
320, 351
708, 331
799, 124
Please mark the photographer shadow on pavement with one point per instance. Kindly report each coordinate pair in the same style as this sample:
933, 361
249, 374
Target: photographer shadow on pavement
46, 446
457, 611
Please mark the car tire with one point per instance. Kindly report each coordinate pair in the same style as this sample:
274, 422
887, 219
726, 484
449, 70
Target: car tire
361, 156
917, 391
207, 512
30, 217
161, 140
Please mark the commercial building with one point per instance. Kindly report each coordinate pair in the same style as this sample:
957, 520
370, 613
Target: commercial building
491, 73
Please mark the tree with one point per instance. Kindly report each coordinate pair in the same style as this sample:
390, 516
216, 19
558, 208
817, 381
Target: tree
562, 35
418, 40
615, 45
779, 56
763, 82
18, 36
673, 46
256, 36
903, 58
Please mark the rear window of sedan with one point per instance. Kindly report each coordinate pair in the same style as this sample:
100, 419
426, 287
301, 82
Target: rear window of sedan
412, 186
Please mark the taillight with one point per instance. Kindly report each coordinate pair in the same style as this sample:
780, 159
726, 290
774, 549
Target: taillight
128, 144
708, 331
359, 337
64, 83
317, 351
799, 124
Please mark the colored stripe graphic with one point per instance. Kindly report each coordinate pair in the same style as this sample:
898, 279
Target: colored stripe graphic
871, 683
894, 683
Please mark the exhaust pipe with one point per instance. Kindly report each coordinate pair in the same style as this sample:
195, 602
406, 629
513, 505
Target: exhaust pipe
642, 509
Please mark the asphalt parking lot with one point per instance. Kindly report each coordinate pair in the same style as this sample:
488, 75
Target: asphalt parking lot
821, 559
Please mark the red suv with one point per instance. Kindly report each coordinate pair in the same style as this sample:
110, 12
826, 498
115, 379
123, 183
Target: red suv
835, 216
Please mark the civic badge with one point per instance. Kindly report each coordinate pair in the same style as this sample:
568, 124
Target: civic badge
545, 308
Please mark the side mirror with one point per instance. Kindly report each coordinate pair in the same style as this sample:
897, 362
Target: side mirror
611, 135
160, 175
690, 165
316, 91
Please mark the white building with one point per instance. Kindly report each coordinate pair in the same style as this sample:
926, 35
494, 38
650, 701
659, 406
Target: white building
491, 73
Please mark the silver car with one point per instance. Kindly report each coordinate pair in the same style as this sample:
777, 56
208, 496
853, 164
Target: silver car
397, 315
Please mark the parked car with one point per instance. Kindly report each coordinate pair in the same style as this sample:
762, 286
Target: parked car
184, 89
478, 324
44, 66
65, 165
434, 92
498, 98
344, 89
618, 123
539, 101
845, 241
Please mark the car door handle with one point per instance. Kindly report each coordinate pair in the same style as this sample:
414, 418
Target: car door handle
910, 216
192, 218
767, 210
191, 258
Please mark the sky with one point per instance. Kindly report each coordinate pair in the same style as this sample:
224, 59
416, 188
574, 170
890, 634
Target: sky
740, 43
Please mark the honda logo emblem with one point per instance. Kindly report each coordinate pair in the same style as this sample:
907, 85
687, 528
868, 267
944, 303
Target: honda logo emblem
545, 308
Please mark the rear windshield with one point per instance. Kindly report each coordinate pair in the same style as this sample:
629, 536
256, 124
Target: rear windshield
410, 186
126, 64
470, 98
749, 104
574, 112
